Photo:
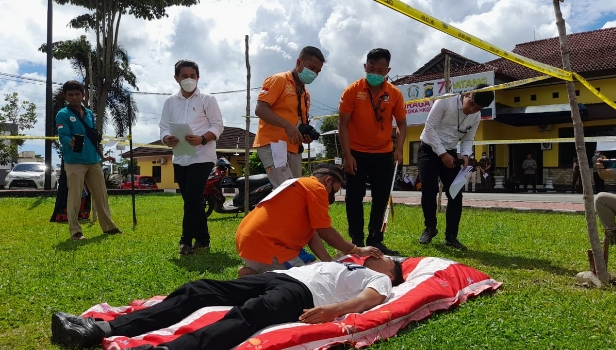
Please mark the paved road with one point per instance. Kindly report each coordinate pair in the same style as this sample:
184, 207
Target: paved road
550, 201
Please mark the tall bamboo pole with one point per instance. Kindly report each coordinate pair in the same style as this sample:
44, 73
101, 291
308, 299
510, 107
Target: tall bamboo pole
247, 135
578, 131
447, 87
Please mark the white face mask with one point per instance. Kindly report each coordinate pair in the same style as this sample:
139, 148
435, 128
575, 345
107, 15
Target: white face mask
484, 157
188, 84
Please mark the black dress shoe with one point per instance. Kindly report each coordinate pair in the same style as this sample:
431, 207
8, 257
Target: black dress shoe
75, 331
427, 235
454, 243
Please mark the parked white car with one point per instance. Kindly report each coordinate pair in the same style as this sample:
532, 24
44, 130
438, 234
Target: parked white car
29, 175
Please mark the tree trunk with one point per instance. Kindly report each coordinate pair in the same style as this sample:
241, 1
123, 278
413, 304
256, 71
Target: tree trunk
578, 129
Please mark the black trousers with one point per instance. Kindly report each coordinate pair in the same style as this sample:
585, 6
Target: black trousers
575, 180
530, 178
599, 183
431, 168
191, 180
258, 301
377, 168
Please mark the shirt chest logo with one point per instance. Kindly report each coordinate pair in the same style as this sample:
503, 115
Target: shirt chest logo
73, 119
288, 89
362, 95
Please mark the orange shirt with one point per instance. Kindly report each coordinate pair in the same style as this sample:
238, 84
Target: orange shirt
280, 92
283, 225
366, 133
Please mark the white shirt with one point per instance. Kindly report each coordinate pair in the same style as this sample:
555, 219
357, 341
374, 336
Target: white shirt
441, 129
201, 112
335, 282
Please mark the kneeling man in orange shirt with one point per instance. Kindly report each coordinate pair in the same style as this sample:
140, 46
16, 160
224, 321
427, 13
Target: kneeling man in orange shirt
295, 214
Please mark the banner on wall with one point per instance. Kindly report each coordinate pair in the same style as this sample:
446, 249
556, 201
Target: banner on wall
417, 112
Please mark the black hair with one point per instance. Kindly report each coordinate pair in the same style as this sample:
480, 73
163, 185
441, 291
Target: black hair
328, 170
377, 54
311, 51
398, 274
183, 64
73, 85
483, 98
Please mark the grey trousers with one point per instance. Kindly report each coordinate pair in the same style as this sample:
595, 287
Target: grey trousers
292, 170
605, 207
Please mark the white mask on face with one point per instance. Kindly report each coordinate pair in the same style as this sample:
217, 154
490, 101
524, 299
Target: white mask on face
484, 157
188, 84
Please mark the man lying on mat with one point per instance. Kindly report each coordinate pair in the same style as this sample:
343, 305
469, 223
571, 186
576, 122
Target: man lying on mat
295, 214
314, 293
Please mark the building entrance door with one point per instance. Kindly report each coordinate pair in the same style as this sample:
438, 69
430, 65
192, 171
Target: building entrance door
517, 155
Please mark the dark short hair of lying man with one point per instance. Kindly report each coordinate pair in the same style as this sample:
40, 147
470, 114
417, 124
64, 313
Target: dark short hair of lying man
315, 293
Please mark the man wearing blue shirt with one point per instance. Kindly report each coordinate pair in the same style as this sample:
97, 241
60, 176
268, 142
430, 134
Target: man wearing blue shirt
82, 163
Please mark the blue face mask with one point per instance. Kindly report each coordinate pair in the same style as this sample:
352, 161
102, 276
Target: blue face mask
306, 76
374, 79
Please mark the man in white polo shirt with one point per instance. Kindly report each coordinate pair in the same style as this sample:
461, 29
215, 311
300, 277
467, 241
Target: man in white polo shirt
200, 111
451, 120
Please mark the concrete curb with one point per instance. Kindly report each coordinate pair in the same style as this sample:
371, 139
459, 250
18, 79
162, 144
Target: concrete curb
517, 209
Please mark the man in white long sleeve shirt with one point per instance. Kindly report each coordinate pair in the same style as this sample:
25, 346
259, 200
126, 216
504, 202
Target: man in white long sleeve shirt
450, 121
200, 111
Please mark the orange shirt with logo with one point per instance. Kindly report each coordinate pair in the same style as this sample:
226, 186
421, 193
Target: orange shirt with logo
366, 132
280, 92
281, 226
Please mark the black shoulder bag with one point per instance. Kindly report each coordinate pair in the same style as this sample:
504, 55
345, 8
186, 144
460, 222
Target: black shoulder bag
92, 133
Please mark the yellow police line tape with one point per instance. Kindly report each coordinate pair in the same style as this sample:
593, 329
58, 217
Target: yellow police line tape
121, 141
546, 140
435, 23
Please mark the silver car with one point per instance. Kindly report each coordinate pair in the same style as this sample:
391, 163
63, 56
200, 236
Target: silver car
29, 175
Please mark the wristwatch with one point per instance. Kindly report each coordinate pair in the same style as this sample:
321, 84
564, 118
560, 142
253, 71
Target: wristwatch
203, 140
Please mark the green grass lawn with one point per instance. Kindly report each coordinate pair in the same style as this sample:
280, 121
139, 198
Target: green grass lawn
537, 256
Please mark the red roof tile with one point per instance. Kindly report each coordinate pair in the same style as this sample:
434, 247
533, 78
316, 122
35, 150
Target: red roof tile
590, 51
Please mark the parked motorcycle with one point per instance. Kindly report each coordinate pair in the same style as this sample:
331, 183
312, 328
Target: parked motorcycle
214, 199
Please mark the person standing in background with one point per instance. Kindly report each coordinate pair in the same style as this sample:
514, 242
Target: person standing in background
473, 177
82, 157
599, 182
576, 178
200, 111
529, 166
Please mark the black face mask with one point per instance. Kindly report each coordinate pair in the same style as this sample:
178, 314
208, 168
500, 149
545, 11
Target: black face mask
332, 197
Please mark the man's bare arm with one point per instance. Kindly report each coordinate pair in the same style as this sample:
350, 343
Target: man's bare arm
366, 300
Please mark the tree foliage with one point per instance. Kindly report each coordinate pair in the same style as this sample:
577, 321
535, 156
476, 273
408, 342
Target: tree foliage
256, 167
19, 113
331, 141
80, 53
104, 21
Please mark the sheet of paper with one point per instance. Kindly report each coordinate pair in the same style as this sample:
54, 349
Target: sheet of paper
183, 148
485, 175
409, 179
278, 190
111, 143
459, 182
279, 153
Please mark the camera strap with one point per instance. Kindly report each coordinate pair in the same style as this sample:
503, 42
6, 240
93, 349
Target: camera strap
88, 128
376, 107
301, 91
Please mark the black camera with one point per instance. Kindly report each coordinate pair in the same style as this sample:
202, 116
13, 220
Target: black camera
307, 129
609, 163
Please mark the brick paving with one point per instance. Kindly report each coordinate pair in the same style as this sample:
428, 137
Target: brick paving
537, 206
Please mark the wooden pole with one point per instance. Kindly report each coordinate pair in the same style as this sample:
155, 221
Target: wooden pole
247, 135
578, 132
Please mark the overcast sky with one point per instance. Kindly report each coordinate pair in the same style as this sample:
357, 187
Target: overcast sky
212, 34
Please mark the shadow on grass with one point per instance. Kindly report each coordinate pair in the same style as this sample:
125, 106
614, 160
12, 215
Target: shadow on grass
36, 203
70, 245
506, 261
231, 217
213, 262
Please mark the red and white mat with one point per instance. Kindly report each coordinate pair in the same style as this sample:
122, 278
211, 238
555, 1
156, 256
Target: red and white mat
431, 284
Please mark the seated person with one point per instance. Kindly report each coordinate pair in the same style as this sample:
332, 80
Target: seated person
271, 236
605, 204
314, 293
513, 183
